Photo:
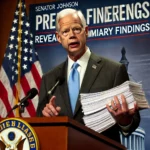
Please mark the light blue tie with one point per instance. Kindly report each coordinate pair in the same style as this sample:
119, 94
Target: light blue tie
74, 85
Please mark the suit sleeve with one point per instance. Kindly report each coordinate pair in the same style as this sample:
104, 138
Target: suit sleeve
121, 77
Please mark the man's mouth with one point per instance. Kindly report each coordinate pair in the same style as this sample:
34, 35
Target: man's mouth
74, 44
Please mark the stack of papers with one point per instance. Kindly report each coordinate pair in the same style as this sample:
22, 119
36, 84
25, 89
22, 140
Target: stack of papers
96, 115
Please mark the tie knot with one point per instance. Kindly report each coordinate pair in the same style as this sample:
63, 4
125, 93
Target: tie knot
75, 65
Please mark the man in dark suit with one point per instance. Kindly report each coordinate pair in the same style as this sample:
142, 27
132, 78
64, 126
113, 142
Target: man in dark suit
95, 74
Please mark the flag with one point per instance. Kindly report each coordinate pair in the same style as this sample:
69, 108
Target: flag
20, 70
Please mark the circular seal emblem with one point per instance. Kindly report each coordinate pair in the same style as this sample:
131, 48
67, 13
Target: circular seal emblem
17, 134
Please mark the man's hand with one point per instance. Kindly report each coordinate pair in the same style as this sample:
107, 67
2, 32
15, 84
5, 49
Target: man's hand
51, 109
122, 114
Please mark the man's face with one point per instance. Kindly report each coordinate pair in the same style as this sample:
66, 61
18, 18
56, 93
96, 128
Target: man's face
72, 35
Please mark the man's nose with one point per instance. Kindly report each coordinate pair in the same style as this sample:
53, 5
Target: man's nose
71, 33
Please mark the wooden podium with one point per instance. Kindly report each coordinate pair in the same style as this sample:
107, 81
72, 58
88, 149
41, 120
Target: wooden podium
62, 133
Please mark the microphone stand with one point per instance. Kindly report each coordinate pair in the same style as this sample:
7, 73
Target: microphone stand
22, 106
9, 112
24, 102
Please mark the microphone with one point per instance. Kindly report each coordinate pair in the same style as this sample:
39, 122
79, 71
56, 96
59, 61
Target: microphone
30, 94
59, 82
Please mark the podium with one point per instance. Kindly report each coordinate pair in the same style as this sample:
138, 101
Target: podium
63, 133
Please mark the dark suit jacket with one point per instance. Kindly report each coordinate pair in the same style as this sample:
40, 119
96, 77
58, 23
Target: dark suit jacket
107, 74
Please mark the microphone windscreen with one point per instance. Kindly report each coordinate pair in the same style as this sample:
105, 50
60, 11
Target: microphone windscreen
32, 93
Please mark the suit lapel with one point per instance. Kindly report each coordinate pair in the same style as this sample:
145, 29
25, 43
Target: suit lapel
93, 68
64, 89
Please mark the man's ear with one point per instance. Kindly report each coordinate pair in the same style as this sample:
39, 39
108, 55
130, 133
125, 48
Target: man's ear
86, 31
58, 37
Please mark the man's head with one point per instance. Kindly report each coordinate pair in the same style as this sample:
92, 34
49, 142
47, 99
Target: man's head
72, 32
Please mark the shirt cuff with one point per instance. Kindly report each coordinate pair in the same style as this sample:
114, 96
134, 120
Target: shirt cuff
125, 129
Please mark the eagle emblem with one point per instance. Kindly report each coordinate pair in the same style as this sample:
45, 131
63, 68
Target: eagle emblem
16, 146
17, 134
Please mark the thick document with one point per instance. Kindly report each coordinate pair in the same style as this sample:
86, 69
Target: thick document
96, 115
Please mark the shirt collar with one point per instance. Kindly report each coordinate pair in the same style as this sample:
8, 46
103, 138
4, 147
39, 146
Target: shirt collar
82, 61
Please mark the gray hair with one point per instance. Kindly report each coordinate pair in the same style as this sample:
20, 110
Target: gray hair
70, 11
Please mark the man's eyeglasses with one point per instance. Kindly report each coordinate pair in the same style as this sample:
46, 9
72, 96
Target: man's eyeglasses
75, 30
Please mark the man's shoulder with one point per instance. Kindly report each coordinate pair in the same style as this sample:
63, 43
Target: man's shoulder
56, 71
105, 60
